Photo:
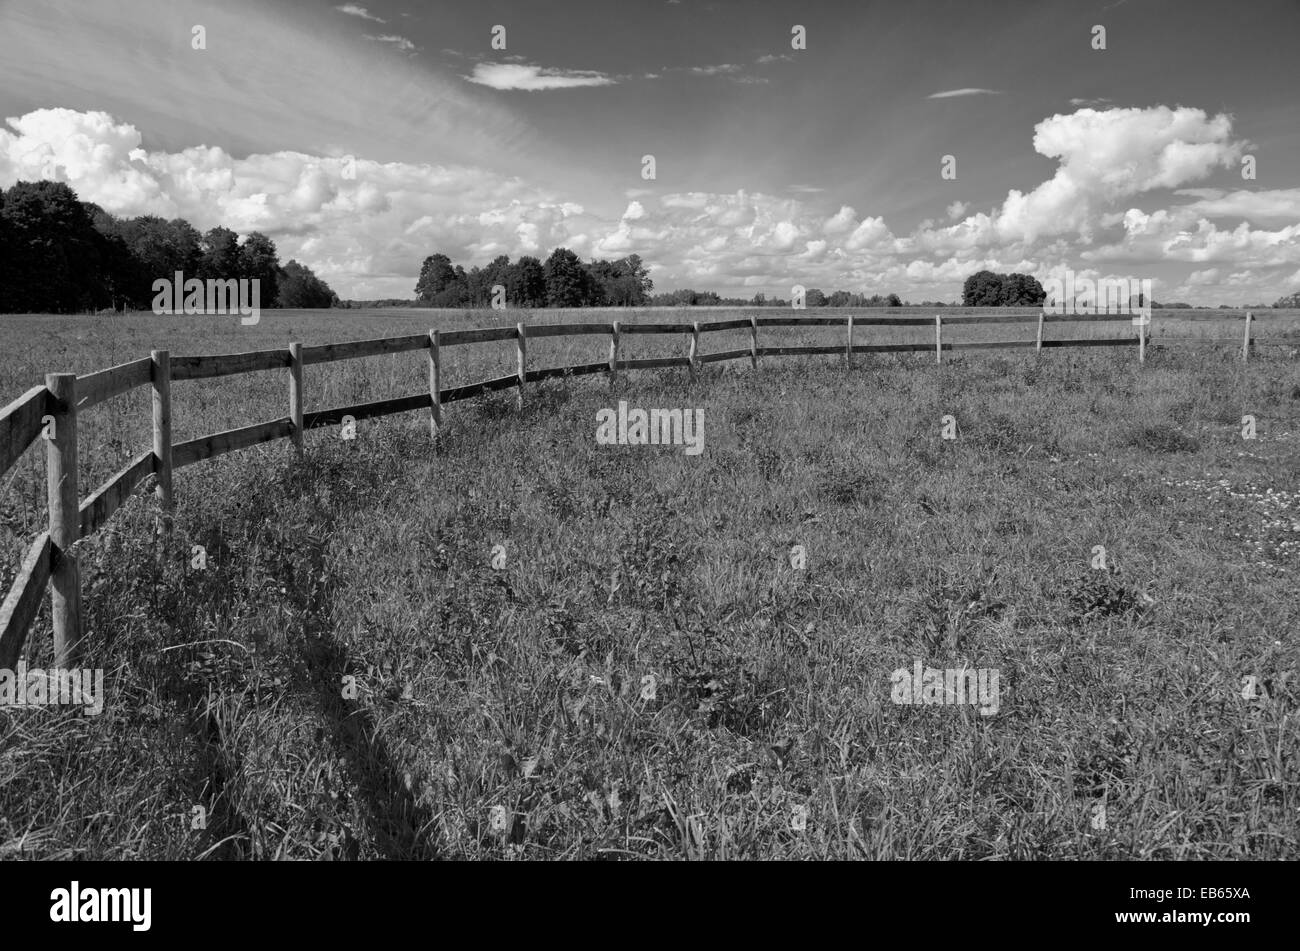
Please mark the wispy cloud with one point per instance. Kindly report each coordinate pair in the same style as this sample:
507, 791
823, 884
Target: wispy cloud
721, 69
353, 10
968, 91
733, 71
771, 58
1089, 102
401, 42
533, 78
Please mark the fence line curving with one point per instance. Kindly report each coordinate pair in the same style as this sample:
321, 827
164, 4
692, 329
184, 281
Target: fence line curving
51, 410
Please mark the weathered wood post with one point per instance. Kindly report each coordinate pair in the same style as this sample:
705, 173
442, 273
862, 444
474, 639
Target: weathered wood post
753, 341
65, 518
1038, 340
295, 396
848, 347
162, 434
613, 354
1142, 340
435, 388
938, 338
695, 352
523, 360
1245, 342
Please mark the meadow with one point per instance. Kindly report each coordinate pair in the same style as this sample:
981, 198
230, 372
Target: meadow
650, 672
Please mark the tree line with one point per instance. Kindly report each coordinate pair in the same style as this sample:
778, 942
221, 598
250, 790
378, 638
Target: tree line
563, 280
62, 255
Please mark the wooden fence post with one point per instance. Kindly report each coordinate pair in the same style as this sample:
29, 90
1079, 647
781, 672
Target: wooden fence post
162, 434
938, 338
1142, 341
753, 341
848, 348
1245, 343
65, 518
523, 360
295, 395
695, 352
613, 354
435, 387
1038, 340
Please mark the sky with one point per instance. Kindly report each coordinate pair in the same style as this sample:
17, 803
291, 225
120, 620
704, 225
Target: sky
364, 137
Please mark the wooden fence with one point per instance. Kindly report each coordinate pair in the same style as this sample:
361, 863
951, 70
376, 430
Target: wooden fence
51, 411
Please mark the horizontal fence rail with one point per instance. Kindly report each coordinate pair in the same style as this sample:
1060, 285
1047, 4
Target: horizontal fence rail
656, 328
330, 352
333, 417
109, 497
218, 444
453, 337
48, 564
227, 364
95, 388
564, 330
20, 424
24, 600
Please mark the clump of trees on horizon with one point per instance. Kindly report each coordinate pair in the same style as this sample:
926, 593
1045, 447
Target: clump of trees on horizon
61, 255
813, 297
987, 289
564, 280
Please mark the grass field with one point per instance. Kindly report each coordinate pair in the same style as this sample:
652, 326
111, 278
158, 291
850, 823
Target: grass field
648, 675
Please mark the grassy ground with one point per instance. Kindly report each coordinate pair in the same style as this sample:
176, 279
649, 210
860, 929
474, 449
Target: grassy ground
647, 674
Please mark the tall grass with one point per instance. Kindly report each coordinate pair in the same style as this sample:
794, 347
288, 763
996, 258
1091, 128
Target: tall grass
648, 675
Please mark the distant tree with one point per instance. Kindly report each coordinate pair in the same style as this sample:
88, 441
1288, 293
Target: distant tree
218, 255
300, 287
598, 276
454, 290
259, 261
1021, 290
814, 298
497, 272
986, 289
564, 279
893, 301
163, 247
620, 283
839, 299
143, 249
477, 291
526, 284
436, 275
1289, 302
56, 260
982, 289
634, 269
